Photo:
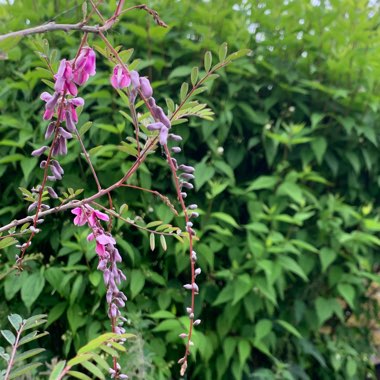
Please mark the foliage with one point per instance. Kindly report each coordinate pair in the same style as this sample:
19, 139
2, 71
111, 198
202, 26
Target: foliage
288, 173
17, 362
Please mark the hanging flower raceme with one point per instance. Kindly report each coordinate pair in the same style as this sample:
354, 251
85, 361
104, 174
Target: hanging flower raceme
109, 256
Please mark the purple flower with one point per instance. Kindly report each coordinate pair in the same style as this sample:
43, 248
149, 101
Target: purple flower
101, 242
51, 101
39, 151
146, 88
64, 79
120, 77
85, 65
164, 135
80, 219
135, 79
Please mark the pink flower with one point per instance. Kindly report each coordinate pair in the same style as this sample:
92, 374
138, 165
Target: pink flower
85, 65
120, 77
86, 214
51, 102
81, 218
101, 242
64, 79
69, 104
97, 215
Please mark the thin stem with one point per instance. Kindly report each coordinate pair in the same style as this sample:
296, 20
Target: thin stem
216, 68
76, 203
44, 180
165, 199
14, 350
118, 216
192, 262
95, 8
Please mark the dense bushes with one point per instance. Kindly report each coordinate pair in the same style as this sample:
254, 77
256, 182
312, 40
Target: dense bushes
287, 180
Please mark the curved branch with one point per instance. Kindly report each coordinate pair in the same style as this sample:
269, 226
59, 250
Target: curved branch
52, 27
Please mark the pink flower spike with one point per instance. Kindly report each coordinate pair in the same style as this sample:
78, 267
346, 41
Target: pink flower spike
90, 236
120, 77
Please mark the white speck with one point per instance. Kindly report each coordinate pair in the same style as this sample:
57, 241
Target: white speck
304, 54
260, 37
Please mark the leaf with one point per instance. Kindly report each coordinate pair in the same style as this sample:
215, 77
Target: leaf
6, 242
56, 312
319, 146
238, 54
15, 320
57, 370
225, 218
292, 190
28, 354
162, 314
79, 375
31, 337
194, 75
163, 242
223, 51
31, 288
137, 282
180, 71
243, 285
79, 359
26, 369
347, 291
84, 128
208, 61
244, 349
93, 369
324, 309
262, 329
184, 90
263, 182
203, 173
152, 241
9, 336
290, 328
290, 264
35, 321
327, 257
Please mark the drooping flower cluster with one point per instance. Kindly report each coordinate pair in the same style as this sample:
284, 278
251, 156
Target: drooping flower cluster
63, 105
109, 256
69, 75
121, 78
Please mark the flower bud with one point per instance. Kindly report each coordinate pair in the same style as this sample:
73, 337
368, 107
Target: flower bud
146, 88
49, 130
39, 151
176, 149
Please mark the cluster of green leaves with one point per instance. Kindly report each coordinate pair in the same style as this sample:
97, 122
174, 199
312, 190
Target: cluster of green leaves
287, 178
16, 360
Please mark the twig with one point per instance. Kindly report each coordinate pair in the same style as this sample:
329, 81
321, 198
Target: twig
76, 203
14, 350
166, 200
116, 215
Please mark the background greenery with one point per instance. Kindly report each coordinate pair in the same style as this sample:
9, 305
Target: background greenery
287, 181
